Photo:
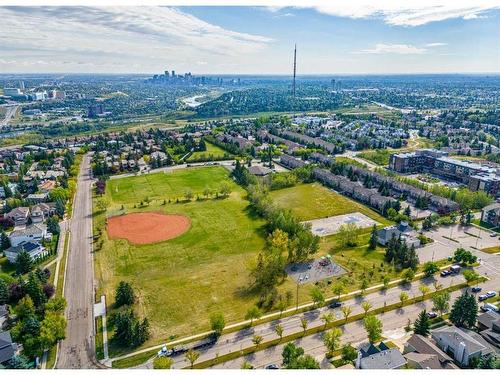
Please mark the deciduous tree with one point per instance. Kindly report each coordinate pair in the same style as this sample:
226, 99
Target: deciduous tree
373, 327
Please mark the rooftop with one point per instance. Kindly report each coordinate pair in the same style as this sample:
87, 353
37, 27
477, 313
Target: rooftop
386, 359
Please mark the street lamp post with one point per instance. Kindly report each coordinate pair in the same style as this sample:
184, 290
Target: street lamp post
297, 298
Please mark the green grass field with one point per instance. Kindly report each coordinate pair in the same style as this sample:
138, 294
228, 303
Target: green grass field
314, 201
171, 185
379, 157
181, 281
212, 151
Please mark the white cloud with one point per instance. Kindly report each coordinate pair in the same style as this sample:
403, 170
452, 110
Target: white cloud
152, 36
407, 13
399, 49
431, 45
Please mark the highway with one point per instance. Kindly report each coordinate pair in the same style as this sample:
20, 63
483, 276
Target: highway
77, 350
10, 111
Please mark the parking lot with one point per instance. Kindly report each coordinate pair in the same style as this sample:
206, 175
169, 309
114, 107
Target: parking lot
448, 239
317, 270
460, 236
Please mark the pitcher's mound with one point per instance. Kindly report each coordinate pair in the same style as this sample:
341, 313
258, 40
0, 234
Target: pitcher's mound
147, 227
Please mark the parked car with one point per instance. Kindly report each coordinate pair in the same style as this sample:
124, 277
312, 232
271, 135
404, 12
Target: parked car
476, 289
432, 314
445, 273
335, 304
487, 295
272, 366
493, 235
489, 307
455, 269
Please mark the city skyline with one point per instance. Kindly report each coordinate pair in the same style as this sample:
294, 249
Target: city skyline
334, 39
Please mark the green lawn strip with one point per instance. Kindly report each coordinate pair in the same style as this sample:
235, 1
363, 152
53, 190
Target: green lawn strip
491, 250
51, 357
320, 328
482, 225
134, 360
62, 267
99, 342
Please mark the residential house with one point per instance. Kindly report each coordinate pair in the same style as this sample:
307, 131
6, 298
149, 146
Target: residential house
46, 186
19, 215
35, 232
34, 249
372, 357
403, 230
489, 327
258, 170
322, 159
38, 197
8, 349
459, 344
42, 211
422, 353
291, 162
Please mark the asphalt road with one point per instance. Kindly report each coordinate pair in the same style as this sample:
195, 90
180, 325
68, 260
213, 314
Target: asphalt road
393, 324
242, 339
355, 333
9, 113
77, 350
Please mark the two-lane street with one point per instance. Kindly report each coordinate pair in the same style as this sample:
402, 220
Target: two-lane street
77, 350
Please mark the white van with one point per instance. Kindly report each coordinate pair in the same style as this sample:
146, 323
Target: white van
489, 307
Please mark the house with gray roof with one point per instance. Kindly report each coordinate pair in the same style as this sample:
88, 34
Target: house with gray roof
402, 230
259, 170
422, 353
32, 233
34, 249
19, 215
489, 328
386, 359
7, 347
459, 344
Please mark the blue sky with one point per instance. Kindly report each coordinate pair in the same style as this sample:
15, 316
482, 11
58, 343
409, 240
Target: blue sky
347, 39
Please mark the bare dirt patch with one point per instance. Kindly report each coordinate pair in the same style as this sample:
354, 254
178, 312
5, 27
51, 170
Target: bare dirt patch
142, 228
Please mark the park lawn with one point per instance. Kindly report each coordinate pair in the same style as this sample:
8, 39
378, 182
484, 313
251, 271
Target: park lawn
314, 201
212, 151
379, 157
180, 282
168, 185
